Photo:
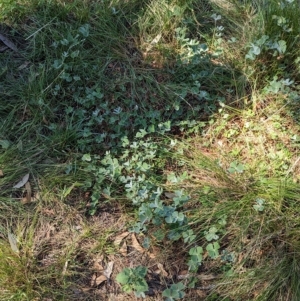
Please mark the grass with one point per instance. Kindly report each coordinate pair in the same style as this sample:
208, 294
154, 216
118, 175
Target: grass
175, 120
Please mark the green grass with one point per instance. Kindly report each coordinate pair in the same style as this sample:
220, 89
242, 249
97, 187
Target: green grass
175, 119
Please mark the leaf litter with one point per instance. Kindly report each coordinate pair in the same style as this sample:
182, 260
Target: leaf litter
22, 182
136, 244
101, 274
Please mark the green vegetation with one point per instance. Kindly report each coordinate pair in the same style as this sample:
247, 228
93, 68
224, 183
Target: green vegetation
149, 149
134, 279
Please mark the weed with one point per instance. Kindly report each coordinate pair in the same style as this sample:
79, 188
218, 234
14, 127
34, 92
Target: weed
133, 280
175, 292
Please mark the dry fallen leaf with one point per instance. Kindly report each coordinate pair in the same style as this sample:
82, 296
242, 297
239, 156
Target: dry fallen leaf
123, 249
27, 199
183, 274
108, 269
120, 237
1, 173
97, 280
101, 275
22, 182
162, 270
98, 277
28, 191
98, 264
136, 244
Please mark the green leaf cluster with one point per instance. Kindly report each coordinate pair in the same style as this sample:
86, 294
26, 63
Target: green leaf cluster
133, 279
175, 292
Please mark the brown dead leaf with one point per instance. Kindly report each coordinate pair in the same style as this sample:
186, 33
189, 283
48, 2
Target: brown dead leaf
102, 274
98, 264
120, 237
136, 244
123, 249
27, 199
1, 173
28, 191
183, 274
162, 270
97, 280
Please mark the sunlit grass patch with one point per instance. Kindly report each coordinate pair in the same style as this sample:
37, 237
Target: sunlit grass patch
252, 185
15, 279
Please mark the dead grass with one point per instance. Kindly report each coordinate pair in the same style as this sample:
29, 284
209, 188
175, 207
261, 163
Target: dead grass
67, 252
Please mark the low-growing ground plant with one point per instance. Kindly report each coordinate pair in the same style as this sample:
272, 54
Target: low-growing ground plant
134, 280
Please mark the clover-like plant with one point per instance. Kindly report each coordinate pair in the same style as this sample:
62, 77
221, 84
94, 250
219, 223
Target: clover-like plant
195, 259
133, 279
211, 234
213, 249
236, 167
175, 292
